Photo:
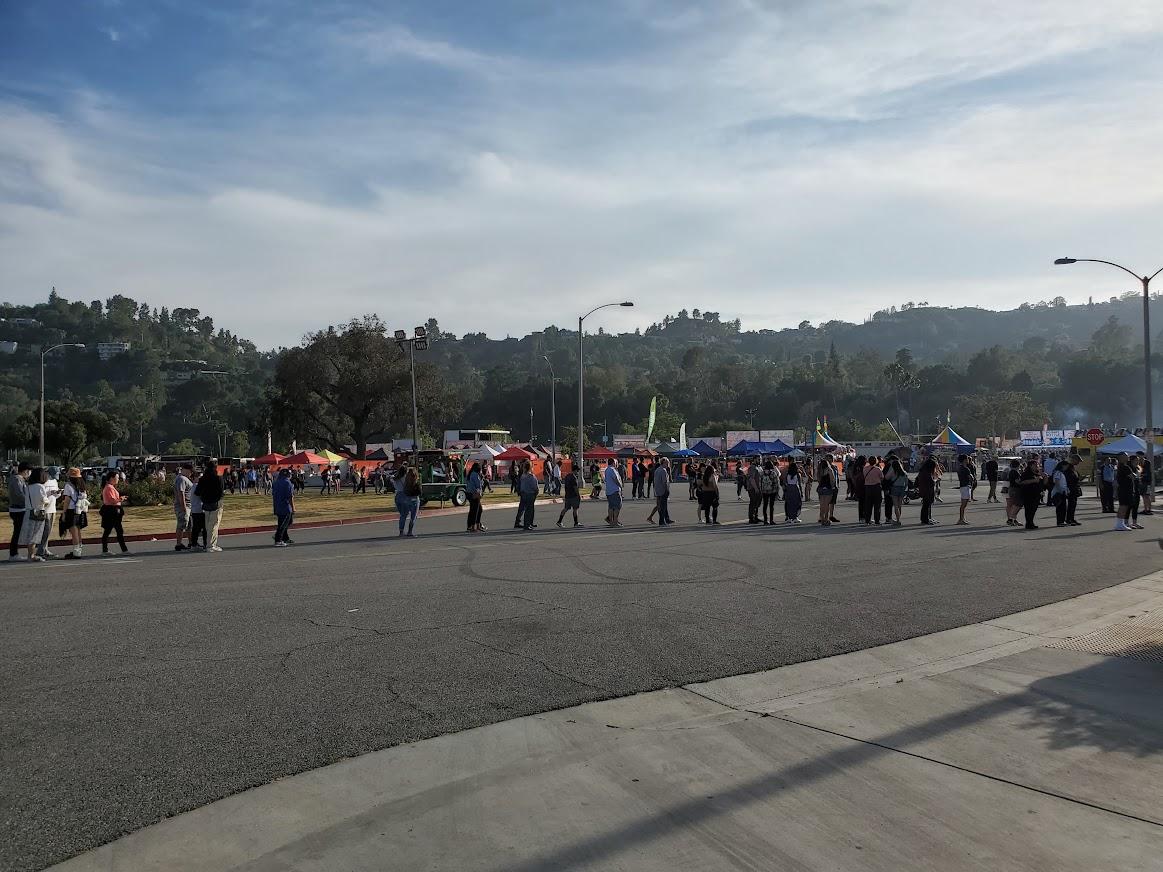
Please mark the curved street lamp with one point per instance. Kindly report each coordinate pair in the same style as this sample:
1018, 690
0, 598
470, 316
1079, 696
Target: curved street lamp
1148, 424
42, 356
581, 374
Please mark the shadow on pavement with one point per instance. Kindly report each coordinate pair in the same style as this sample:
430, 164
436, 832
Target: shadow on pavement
1059, 715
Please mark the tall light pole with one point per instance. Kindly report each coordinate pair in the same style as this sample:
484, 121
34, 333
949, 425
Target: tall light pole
417, 342
42, 356
750, 413
1148, 424
552, 409
581, 378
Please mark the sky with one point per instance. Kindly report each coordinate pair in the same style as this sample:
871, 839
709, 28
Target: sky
503, 165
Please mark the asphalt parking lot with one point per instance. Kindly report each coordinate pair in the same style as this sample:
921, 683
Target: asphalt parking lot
141, 687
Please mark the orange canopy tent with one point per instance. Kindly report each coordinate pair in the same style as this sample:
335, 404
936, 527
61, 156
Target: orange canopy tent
268, 459
514, 453
599, 452
303, 458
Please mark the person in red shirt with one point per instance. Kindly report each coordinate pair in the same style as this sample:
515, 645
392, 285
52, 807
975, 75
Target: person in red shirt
112, 513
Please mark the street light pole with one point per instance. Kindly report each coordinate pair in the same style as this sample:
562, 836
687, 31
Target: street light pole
419, 340
581, 376
42, 356
1148, 424
552, 410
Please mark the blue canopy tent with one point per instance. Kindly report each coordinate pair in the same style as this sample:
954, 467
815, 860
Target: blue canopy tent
949, 439
748, 448
702, 449
1129, 444
685, 452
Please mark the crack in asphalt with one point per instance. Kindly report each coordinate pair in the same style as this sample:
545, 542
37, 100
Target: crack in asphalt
532, 659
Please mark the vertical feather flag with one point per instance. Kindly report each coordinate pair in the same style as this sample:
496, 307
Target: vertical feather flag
653, 412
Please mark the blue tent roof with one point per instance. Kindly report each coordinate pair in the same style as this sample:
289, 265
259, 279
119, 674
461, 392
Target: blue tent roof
702, 449
685, 452
747, 448
1129, 444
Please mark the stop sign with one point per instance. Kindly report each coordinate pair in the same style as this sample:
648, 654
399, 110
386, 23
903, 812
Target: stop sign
1095, 436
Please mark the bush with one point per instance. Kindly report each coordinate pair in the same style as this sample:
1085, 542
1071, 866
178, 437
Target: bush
149, 492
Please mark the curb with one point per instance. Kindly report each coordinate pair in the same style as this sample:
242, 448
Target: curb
304, 525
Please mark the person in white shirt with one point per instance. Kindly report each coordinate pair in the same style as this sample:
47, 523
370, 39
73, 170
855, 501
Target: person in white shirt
76, 511
52, 492
613, 484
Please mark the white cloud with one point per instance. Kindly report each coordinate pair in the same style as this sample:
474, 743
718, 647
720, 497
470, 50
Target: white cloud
635, 177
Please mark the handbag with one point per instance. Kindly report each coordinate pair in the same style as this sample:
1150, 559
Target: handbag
37, 515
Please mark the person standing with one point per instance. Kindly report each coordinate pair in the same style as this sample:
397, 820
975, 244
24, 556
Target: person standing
648, 480
754, 484
662, 492
872, 479
34, 515
514, 476
527, 491
1137, 482
408, 494
965, 479
991, 471
76, 517
768, 491
283, 504
926, 487
17, 499
1106, 488
210, 489
571, 502
1049, 464
612, 481
1073, 490
856, 486
197, 515
112, 514
740, 479
183, 490
1147, 482
898, 487
52, 493
1013, 493
707, 493
825, 490
1059, 488
792, 493
1124, 493
1030, 485
474, 490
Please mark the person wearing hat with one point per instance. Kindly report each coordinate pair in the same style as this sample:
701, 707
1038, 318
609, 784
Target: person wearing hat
76, 514
52, 493
17, 493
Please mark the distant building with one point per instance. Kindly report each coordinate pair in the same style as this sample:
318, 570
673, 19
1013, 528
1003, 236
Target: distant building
475, 438
109, 350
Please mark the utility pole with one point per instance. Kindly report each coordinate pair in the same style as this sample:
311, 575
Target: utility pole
419, 341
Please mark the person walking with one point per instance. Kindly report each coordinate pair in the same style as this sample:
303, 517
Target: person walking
474, 490
210, 489
768, 491
637, 479
693, 473
112, 513
1147, 482
183, 490
965, 480
898, 488
612, 481
792, 493
1030, 484
826, 488
571, 501
527, 492
1013, 493
1137, 482
283, 504
76, 516
872, 481
926, 487
1124, 493
17, 500
408, 499
991, 471
662, 492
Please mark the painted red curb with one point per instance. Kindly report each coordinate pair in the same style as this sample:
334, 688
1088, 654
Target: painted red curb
304, 525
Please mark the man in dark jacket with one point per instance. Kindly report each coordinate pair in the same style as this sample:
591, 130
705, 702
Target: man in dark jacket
209, 490
17, 488
926, 486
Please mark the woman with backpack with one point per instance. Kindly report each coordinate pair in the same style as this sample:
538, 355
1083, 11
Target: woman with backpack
768, 491
793, 502
825, 490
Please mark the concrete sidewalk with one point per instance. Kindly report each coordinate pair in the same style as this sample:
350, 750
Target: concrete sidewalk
1028, 742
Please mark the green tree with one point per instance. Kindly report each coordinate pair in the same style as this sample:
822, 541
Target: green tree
70, 431
999, 413
184, 446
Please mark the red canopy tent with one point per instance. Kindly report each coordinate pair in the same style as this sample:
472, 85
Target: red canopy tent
303, 458
514, 453
599, 452
268, 459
